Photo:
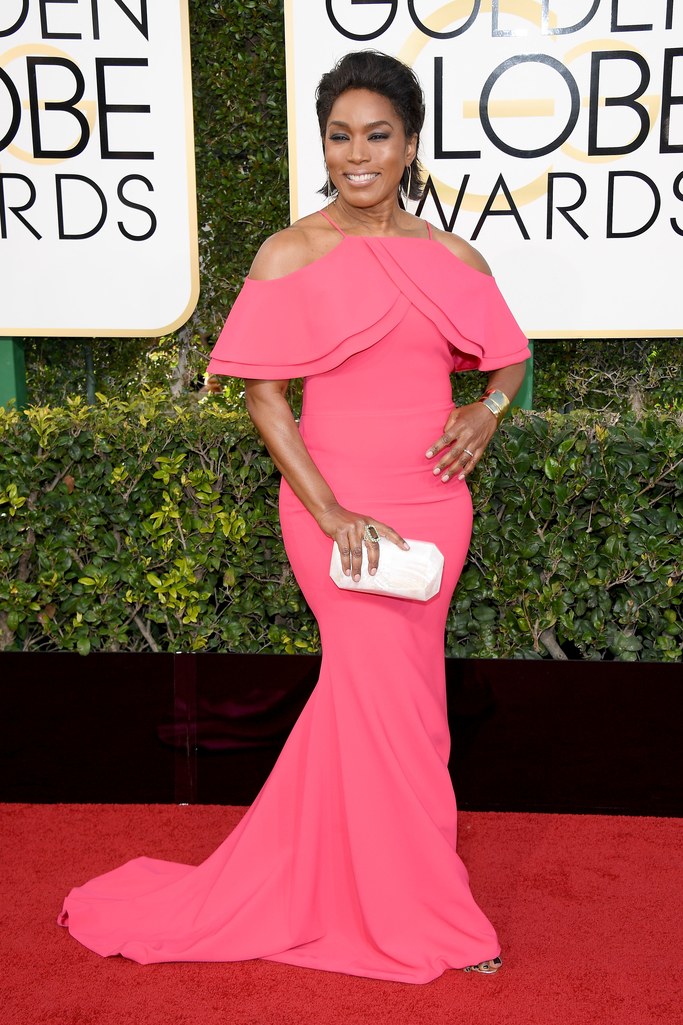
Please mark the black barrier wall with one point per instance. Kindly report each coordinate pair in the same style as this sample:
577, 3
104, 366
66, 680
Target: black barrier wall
526, 736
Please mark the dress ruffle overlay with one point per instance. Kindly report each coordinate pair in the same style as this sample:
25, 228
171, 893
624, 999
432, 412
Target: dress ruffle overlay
346, 860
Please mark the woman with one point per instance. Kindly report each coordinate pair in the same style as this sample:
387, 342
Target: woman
346, 861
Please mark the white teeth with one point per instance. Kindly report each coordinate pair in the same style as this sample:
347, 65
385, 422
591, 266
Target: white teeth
361, 177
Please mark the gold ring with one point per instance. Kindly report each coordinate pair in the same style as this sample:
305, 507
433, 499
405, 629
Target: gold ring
371, 534
467, 452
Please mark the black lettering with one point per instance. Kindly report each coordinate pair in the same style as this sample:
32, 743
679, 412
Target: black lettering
141, 23
500, 186
136, 206
678, 193
439, 152
444, 35
63, 233
668, 101
616, 27
368, 35
15, 100
611, 231
16, 210
104, 108
18, 23
669, 14
629, 100
546, 30
511, 62
495, 14
498, 33
45, 31
65, 106
565, 210
430, 190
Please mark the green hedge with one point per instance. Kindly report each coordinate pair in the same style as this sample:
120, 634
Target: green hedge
144, 526
577, 541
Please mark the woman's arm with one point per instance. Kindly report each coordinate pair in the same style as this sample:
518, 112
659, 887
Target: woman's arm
469, 429
283, 253
271, 414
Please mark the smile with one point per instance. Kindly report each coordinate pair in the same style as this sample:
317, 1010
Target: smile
361, 178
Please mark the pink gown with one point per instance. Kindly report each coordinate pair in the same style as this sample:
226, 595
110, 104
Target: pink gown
346, 860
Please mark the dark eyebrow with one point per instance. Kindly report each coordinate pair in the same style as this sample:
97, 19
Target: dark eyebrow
367, 128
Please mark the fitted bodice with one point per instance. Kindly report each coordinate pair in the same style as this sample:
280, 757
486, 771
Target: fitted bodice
407, 369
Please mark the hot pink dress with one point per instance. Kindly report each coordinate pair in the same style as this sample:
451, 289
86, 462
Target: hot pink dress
346, 861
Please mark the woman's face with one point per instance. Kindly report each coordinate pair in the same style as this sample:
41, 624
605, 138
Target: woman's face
366, 149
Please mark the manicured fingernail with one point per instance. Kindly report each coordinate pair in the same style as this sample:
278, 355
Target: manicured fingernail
429, 453
372, 571
347, 572
357, 576
461, 477
445, 477
406, 547
436, 471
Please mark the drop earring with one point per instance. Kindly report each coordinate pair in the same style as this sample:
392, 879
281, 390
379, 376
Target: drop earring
410, 175
329, 187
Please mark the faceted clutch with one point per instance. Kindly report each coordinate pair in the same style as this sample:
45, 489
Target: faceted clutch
415, 574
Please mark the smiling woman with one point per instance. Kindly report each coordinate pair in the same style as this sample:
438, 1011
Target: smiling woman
347, 859
393, 96
365, 152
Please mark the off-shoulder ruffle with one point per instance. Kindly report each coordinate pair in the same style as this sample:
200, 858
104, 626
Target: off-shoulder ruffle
312, 320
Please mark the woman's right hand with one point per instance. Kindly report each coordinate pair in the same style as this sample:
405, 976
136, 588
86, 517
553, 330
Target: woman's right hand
346, 528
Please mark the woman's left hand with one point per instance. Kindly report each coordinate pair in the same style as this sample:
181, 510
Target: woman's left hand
466, 435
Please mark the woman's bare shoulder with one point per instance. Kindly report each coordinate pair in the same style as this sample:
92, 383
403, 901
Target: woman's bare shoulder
279, 255
462, 249
295, 247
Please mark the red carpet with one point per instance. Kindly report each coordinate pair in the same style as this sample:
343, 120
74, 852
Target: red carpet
588, 909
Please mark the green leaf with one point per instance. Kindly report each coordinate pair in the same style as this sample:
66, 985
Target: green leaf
484, 614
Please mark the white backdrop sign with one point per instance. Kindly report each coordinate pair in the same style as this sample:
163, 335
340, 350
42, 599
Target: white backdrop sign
98, 224
553, 142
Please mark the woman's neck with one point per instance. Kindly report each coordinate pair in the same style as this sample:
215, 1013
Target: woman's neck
383, 219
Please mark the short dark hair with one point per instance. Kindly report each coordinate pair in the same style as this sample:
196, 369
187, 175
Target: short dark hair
389, 77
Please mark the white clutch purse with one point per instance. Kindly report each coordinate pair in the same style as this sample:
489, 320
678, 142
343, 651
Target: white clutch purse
414, 574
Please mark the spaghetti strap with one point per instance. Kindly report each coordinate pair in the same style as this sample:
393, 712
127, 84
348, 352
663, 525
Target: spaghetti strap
343, 233
330, 221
